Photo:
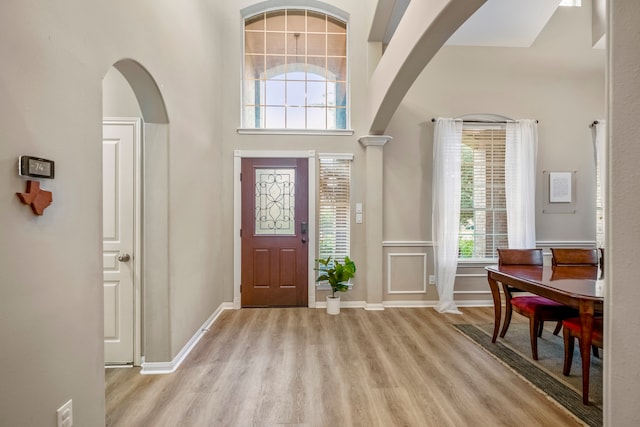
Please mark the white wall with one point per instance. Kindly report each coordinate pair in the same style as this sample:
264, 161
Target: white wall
118, 98
622, 318
54, 57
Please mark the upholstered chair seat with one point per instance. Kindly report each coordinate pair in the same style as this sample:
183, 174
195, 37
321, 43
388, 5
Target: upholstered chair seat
540, 306
540, 309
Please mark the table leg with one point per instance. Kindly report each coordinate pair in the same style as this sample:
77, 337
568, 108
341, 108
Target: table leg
497, 306
586, 320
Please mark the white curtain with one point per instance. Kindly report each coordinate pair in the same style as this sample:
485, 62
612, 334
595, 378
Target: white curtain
599, 130
447, 148
520, 182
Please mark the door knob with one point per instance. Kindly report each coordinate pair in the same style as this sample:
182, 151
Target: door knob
124, 257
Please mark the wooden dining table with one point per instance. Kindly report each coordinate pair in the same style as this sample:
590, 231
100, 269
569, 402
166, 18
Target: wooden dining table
576, 286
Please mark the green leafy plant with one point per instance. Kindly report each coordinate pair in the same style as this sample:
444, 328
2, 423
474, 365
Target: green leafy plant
465, 248
335, 273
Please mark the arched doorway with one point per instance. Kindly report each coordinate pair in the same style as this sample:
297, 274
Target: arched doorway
134, 202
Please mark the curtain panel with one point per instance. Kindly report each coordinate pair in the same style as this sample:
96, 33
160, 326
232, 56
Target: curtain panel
447, 149
521, 153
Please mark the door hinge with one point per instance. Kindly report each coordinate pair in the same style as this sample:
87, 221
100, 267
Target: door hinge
240, 176
240, 288
241, 232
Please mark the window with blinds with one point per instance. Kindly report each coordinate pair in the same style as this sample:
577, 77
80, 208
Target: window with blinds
483, 208
334, 207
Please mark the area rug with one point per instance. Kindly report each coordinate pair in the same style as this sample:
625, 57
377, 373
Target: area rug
514, 351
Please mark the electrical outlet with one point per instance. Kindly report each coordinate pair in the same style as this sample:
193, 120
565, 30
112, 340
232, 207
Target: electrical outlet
65, 415
432, 279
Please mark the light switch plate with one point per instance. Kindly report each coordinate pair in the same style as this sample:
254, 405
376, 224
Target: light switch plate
65, 414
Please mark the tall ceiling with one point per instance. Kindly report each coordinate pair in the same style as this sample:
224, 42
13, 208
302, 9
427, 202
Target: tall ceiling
498, 23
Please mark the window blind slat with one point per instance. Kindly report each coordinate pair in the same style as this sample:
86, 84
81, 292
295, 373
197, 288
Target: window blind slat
483, 225
334, 207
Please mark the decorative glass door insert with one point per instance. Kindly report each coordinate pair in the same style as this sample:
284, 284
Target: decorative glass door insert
275, 202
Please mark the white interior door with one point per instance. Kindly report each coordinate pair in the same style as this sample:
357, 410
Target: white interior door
118, 153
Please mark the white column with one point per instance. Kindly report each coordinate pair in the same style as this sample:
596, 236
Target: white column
374, 145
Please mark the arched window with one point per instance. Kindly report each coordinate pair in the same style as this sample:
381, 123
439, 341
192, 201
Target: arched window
295, 70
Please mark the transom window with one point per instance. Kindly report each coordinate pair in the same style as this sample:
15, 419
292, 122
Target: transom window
483, 207
295, 71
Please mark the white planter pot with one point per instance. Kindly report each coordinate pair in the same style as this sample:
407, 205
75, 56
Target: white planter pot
333, 305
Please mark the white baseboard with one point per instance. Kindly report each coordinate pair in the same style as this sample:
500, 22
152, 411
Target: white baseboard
409, 304
343, 304
475, 303
405, 304
434, 303
149, 368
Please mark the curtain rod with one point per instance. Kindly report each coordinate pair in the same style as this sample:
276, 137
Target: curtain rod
485, 121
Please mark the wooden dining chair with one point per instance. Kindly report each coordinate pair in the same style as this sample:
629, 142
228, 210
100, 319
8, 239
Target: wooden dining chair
537, 308
572, 329
509, 257
574, 256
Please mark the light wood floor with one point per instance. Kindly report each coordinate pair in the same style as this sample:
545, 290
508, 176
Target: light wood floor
299, 366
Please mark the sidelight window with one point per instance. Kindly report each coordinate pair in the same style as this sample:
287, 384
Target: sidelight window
334, 206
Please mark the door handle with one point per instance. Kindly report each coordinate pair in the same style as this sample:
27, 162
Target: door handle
124, 257
303, 231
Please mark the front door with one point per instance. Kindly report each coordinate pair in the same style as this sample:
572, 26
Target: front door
274, 232
118, 157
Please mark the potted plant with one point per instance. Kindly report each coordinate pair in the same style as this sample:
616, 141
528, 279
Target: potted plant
337, 274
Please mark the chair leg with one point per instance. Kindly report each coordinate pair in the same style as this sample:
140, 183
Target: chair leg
569, 342
534, 324
556, 331
540, 328
497, 307
507, 318
585, 378
596, 352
